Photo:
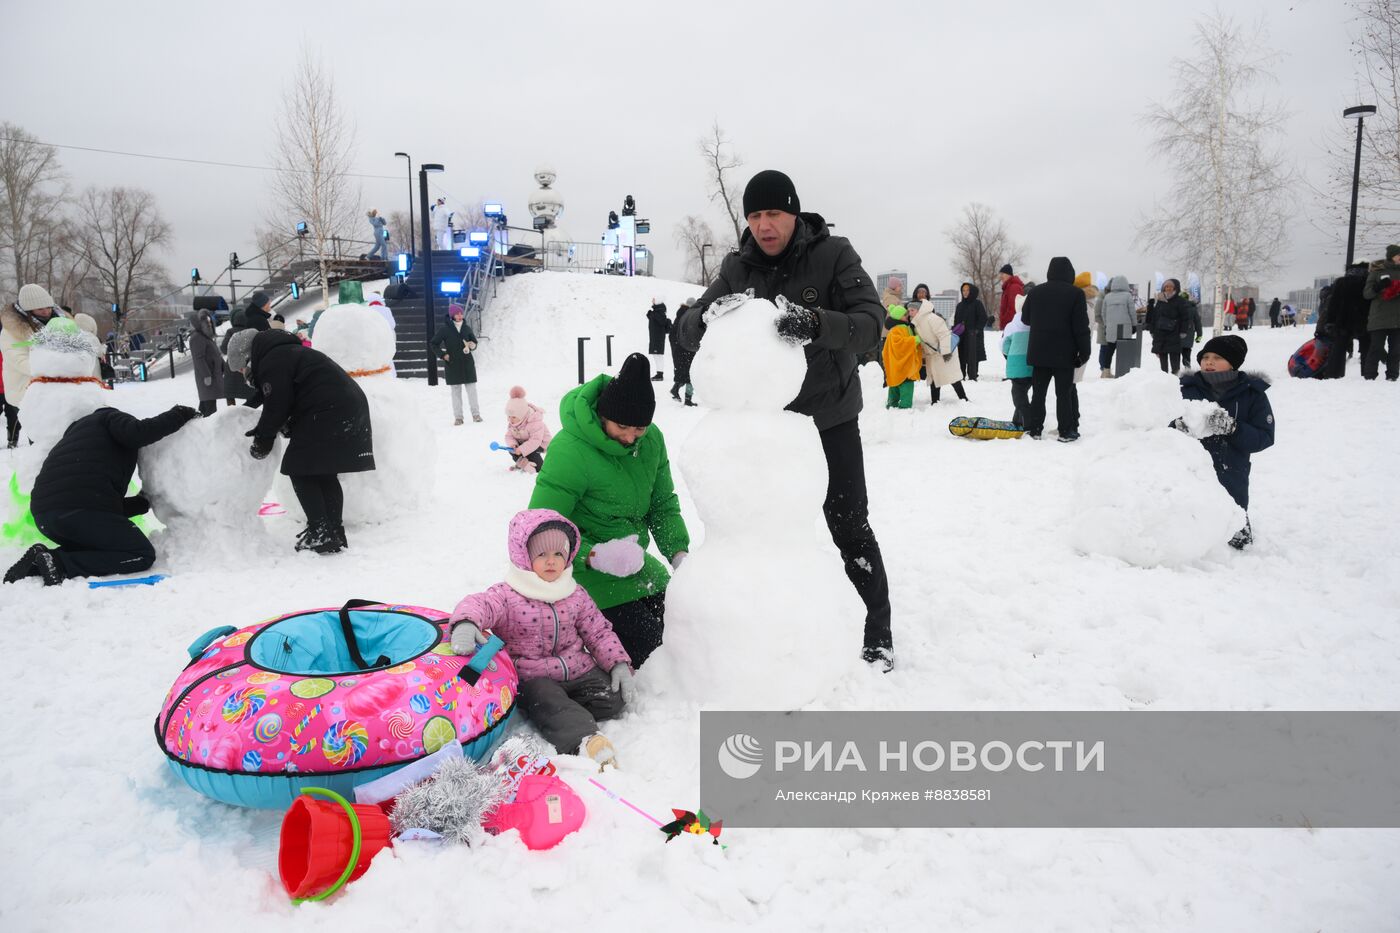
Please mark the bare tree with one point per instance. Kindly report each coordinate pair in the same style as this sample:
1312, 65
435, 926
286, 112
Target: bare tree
58, 259
981, 246
1377, 48
695, 239
1231, 197
313, 158
403, 238
121, 231
720, 166
276, 247
32, 194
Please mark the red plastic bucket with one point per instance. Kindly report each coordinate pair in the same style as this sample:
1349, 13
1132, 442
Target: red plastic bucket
325, 844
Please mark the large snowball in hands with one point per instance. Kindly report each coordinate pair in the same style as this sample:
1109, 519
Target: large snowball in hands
743, 364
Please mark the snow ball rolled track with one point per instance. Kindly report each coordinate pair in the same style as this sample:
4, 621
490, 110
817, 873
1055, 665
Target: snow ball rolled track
330, 698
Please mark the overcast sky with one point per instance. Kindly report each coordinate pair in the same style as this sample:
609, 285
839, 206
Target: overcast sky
889, 116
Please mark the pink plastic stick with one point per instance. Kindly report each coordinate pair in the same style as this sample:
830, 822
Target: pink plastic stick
625, 801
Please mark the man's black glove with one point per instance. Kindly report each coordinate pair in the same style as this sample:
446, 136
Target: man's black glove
189, 413
136, 505
797, 325
261, 446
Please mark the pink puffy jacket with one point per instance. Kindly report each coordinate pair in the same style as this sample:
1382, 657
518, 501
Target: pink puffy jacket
563, 640
529, 435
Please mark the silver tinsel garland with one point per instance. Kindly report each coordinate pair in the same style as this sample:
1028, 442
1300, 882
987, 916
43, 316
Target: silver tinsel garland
451, 803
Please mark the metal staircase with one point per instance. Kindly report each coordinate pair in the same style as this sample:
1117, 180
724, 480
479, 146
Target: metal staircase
477, 280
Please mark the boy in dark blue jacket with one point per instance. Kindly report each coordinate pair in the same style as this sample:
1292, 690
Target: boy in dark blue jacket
1246, 425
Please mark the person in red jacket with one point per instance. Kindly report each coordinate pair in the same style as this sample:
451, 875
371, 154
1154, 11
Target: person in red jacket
1011, 286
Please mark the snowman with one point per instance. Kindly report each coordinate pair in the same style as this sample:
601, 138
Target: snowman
760, 616
206, 490
356, 336
1148, 494
62, 390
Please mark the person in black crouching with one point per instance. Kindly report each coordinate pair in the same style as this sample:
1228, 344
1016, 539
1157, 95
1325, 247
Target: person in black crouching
306, 394
80, 502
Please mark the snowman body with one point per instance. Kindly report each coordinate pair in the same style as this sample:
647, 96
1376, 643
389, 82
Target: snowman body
761, 615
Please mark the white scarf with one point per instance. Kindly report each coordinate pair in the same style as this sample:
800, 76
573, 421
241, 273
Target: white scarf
529, 584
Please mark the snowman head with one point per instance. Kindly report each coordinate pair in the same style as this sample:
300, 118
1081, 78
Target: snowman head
744, 365
63, 349
356, 336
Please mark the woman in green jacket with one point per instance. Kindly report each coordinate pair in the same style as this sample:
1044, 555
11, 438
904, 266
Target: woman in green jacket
609, 474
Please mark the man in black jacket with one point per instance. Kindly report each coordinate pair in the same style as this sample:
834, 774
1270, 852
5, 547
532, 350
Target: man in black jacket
80, 503
1342, 319
833, 311
1058, 316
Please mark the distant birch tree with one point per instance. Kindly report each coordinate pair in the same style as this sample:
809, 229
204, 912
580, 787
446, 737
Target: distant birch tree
120, 232
314, 146
32, 196
1232, 190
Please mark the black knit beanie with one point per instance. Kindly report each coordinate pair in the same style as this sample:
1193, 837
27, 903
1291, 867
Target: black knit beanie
771, 191
629, 398
1228, 346
1005, 270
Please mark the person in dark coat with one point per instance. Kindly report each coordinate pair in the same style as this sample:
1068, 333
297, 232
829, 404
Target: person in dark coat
235, 385
681, 358
832, 311
1057, 313
1246, 425
1274, 308
658, 326
258, 314
453, 344
209, 368
1193, 333
1169, 321
1342, 319
326, 418
972, 315
80, 502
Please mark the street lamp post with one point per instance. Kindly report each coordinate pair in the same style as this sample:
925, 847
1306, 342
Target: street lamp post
1359, 114
704, 272
405, 155
428, 284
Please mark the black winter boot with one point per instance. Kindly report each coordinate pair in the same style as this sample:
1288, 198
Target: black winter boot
46, 565
25, 566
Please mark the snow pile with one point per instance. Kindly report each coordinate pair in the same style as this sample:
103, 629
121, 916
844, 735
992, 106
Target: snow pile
1148, 494
357, 337
206, 488
766, 591
62, 350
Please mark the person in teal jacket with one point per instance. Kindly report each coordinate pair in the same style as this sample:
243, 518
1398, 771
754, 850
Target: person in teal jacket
1015, 338
608, 472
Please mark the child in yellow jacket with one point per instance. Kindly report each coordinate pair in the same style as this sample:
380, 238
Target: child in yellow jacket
902, 358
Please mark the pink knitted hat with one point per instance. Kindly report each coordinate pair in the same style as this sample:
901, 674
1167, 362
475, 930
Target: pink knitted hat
517, 407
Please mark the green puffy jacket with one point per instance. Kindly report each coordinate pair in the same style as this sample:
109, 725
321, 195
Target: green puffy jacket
610, 491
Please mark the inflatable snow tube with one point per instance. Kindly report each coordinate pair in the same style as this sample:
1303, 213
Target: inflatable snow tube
329, 698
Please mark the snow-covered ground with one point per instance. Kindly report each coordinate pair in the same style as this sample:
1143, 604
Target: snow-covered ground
993, 610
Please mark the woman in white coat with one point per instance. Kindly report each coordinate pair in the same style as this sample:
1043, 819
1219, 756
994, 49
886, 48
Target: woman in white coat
940, 357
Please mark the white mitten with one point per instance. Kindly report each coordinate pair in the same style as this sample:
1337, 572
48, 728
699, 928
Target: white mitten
623, 680
620, 557
1219, 422
722, 306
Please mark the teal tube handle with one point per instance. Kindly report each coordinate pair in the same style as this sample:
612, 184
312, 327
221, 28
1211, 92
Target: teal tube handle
204, 641
485, 653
